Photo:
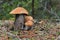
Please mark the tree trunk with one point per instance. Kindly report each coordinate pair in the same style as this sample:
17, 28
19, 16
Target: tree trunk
33, 8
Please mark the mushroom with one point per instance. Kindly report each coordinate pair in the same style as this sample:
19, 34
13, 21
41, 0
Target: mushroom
28, 18
19, 13
29, 25
19, 10
29, 22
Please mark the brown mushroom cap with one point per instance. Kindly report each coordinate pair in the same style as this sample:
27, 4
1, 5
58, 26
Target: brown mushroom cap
28, 18
29, 23
19, 10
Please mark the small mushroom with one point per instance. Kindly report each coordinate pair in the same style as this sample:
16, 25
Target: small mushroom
29, 23
28, 18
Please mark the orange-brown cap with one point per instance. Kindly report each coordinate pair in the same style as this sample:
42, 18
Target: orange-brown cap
29, 23
19, 10
28, 18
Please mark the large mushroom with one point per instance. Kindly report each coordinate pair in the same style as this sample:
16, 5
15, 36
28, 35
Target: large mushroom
19, 13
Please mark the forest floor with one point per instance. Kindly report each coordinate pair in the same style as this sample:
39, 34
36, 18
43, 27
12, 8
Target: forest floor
44, 31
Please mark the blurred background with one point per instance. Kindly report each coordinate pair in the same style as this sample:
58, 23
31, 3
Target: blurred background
39, 9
